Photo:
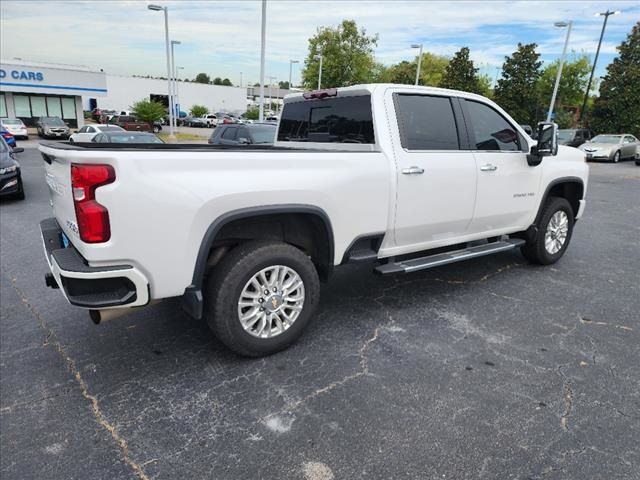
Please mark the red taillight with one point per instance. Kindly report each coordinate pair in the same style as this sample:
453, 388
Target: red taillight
93, 218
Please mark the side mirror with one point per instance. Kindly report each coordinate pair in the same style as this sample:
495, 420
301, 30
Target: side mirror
17, 150
547, 134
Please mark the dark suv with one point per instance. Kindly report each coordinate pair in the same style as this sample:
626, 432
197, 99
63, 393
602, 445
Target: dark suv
238, 134
574, 137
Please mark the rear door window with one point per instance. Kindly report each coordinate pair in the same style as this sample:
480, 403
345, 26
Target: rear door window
426, 122
328, 120
230, 133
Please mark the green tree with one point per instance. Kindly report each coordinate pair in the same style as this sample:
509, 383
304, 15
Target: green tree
202, 78
516, 90
617, 108
485, 87
217, 81
432, 69
283, 85
198, 110
253, 113
347, 55
148, 111
575, 74
461, 74
227, 83
403, 72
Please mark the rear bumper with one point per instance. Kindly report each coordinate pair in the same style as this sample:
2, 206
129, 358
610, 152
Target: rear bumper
86, 286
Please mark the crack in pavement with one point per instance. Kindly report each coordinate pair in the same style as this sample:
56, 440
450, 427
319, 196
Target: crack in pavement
567, 397
82, 384
588, 321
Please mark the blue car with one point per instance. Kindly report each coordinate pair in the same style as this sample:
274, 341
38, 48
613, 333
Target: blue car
8, 137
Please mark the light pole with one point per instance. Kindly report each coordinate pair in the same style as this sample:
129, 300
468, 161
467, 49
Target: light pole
173, 81
419, 62
559, 74
178, 93
604, 25
319, 57
262, 46
291, 62
271, 79
158, 8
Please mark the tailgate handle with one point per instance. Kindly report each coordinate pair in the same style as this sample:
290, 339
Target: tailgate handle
47, 158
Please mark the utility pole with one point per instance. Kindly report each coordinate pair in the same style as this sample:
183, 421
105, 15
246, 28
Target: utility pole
262, 48
559, 74
419, 62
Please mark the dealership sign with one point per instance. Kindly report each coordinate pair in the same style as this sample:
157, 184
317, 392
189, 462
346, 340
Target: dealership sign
22, 75
22, 78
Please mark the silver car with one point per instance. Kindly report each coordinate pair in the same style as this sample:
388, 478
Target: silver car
612, 148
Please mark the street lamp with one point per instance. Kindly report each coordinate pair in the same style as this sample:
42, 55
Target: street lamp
319, 57
419, 62
559, 74
263, 33
291, 62
173, 81
604, 25
158, 8
178, 94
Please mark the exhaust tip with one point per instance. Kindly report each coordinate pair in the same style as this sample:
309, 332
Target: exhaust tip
95, 316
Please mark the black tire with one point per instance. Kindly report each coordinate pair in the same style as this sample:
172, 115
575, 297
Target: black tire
19, 195
156, 129
71, 140
616, 157
535, 250
229, 277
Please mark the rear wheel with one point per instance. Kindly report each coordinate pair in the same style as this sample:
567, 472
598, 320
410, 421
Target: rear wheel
553, 233
156, 129
261, 296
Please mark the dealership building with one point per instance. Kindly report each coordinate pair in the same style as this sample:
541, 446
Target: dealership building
31, 90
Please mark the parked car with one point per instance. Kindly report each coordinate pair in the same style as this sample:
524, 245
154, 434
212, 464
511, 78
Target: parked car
8, 137
574, 137
10, 177
262, 133
210, 120
126, 137
86, 133
49, 127
16, 127
612, 148
244, 236
195, 122
106, 116
224, 118
130, 123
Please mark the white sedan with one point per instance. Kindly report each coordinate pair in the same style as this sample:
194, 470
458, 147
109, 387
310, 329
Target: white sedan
16, 127
86, 133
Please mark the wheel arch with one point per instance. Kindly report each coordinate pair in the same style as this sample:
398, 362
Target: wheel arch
570, 188
235, 224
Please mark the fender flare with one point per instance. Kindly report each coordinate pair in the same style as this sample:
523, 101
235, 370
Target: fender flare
192, 298
552, 184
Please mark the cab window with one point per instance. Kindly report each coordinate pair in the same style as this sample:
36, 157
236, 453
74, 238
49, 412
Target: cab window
490, 129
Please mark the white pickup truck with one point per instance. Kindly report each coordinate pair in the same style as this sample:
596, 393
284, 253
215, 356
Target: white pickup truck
404, 177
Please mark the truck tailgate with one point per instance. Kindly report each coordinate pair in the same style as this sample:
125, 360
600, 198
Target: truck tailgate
58, 178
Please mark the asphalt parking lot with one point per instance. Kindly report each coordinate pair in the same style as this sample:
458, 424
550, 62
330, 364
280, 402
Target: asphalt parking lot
490, 368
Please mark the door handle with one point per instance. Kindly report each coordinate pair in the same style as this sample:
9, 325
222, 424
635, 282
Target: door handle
488, 168
413, 170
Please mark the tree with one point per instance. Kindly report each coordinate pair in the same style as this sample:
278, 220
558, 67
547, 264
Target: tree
516, 90
617, 108
227, 83
202, 78
283, 85
198, 110
484, 85
253, 113
575, 73
347, 55
432, 69
217, 81
461, 74
148, 111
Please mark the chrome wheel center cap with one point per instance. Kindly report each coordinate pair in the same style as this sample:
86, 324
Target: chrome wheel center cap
273, 303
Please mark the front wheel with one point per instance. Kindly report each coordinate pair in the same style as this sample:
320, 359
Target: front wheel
261, 296
553, 233
156, 129
616, 157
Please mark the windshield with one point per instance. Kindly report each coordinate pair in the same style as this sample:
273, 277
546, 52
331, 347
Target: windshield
606, 139
134, 139
263, 133
53, 121
566, 134
11, 121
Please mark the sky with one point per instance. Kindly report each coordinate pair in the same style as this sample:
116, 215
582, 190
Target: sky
222, 37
